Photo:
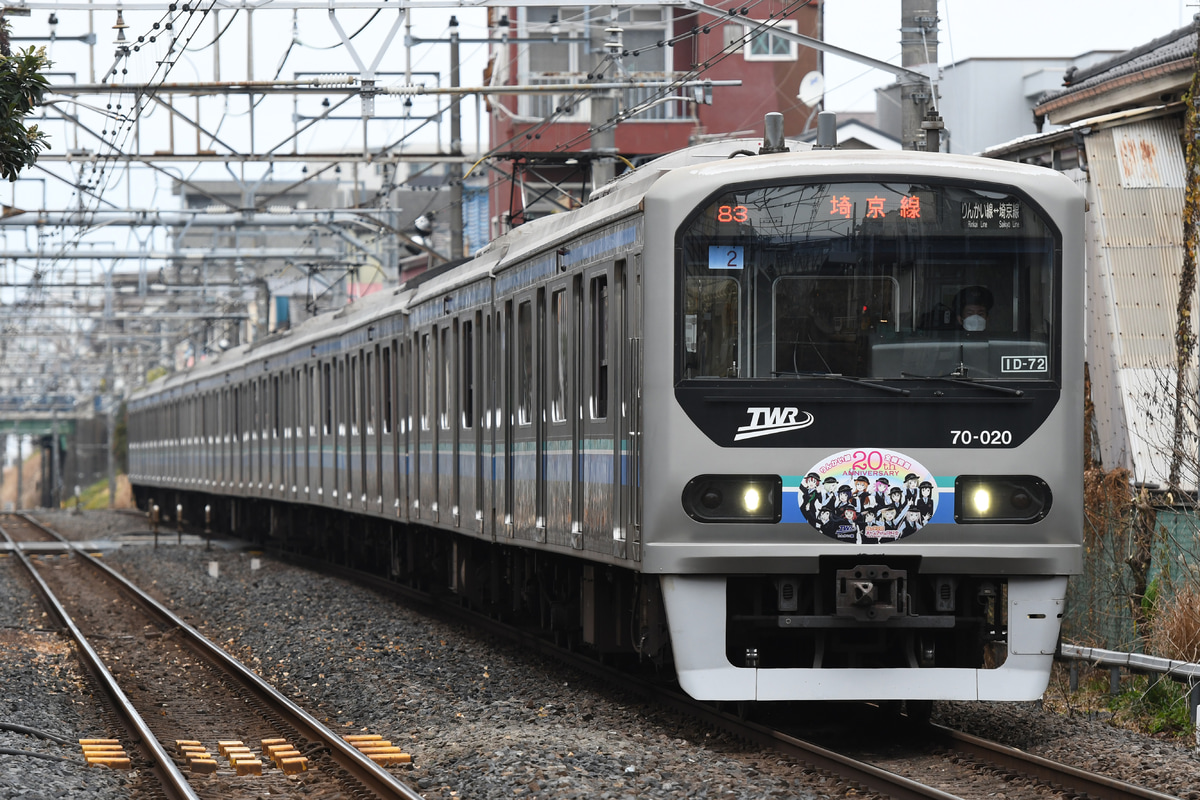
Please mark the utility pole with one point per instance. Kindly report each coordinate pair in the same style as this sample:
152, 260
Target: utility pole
20, 475
603, 142
455, 168
55, 467
919, 125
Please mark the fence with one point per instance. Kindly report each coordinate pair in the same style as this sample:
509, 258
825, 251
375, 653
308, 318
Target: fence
1140, 581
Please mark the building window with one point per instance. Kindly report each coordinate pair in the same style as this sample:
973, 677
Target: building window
763, 44
563, 44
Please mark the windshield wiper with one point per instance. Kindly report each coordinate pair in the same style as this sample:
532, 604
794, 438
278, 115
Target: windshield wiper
966, 381
837, 376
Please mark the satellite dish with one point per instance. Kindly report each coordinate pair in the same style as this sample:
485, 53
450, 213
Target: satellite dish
812, 88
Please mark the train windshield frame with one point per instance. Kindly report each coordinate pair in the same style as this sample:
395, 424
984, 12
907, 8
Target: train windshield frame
901, 279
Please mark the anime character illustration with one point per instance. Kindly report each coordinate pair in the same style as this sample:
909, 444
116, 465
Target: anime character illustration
911, 523
882, 485
862, 493
924, 503
808, 496
847, 526
865, 496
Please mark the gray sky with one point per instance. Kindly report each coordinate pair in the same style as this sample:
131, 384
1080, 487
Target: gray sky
987, 28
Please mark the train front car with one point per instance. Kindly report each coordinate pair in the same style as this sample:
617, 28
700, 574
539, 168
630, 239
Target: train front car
862, 440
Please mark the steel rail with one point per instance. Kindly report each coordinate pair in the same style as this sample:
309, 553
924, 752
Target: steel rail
173, 781
367, 772
1043, 770
859, 773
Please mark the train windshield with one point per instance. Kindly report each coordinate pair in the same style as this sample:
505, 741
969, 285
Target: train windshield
887, 280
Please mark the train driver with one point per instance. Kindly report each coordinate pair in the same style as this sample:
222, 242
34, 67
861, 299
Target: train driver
972, 305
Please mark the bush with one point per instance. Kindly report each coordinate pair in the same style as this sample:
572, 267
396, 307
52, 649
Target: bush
1153, 707
1176, 630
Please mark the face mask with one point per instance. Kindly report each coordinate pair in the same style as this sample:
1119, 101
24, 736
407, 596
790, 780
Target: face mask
974, 323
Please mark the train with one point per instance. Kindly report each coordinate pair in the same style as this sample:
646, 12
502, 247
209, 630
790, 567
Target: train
793, 421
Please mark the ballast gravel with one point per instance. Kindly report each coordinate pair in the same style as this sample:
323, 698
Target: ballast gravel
481, 720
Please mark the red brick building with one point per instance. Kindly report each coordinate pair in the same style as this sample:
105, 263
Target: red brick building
543, 141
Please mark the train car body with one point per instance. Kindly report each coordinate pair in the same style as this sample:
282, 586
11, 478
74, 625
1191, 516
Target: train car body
734, 413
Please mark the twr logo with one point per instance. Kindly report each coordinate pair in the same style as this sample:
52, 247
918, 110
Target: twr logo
766, 420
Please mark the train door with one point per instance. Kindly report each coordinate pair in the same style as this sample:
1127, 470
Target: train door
470, 486
425, 504
369, 454
264, 438
303, 389
447, 423
283, 385
627, 279
365, 440
502, 459
267, 442
353, 475
404, 422
312, 430
235, 447
374, 457
325, 430
253, 400
600, 472
293, 431
560, 459
227, 451
526, 430
386, 432
328, 489
218, 475
488, 423
252, 420
275, 453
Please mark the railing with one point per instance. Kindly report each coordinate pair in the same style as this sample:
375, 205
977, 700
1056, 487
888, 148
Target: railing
575, 107
1137, 663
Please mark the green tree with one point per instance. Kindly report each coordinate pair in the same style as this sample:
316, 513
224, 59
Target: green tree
22, 86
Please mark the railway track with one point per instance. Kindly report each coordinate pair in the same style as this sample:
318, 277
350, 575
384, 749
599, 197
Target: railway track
963, 766
189, 719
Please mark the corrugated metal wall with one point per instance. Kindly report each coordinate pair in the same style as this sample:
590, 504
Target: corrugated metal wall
1135, 255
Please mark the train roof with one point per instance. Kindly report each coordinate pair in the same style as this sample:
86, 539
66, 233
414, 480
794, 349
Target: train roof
616, 200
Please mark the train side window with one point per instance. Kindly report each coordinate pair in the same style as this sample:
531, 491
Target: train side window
426, 380
354, 396
326, 400
503, 391
467, 380
559, 340
371, 404
598, 332
525, 363
401, 367
255, 405
386, 385
446, 375
275, 406
343, 398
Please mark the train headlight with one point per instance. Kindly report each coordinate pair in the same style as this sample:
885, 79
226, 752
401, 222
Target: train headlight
1000, 498
734, 498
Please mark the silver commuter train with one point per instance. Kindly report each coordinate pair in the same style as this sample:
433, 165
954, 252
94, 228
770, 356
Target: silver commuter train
807, 425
